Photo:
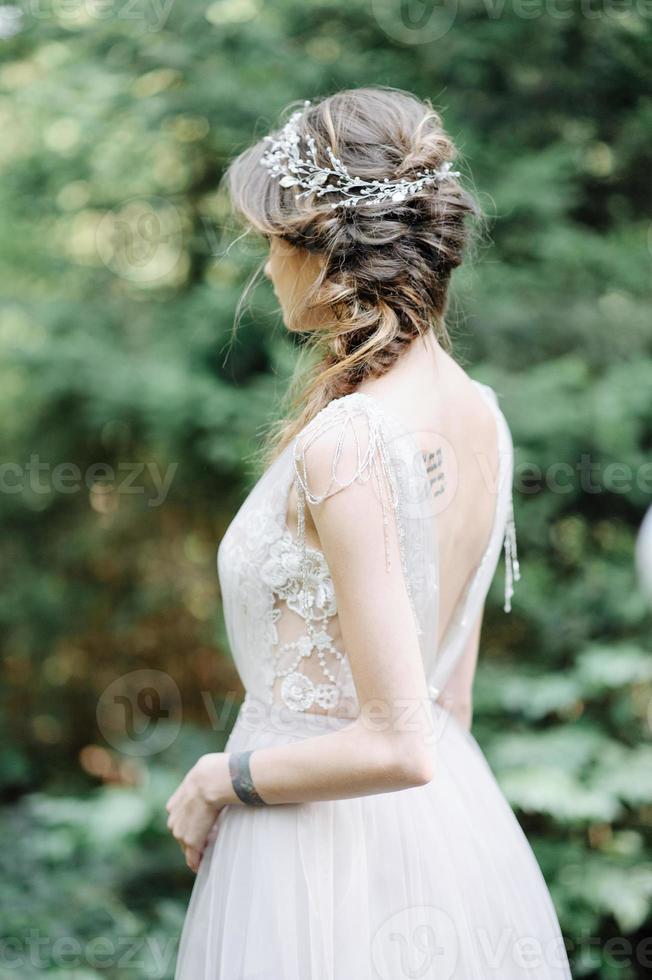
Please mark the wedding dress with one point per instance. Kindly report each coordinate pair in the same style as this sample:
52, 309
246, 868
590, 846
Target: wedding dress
433, 882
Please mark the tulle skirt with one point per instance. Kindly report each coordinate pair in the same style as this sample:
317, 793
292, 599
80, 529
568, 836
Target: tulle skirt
435, 882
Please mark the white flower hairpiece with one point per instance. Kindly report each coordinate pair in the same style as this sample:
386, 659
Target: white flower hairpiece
283, 160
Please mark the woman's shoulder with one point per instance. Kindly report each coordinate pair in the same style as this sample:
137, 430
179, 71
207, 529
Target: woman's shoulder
338, 445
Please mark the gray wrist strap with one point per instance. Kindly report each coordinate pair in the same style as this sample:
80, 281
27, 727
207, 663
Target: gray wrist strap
243, 784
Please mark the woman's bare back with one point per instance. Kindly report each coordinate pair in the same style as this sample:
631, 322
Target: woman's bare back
437, 402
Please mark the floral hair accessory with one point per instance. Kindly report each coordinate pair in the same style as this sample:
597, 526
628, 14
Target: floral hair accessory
283, 159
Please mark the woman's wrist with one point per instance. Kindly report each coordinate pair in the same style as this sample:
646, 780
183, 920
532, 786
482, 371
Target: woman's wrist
242, 780
214, 780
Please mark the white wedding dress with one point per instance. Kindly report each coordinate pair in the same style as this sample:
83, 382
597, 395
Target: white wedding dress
433, 882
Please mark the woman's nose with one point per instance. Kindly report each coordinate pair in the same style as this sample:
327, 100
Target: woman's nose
266, 270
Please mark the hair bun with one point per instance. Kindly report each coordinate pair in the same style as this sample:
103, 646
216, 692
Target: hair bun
387, 263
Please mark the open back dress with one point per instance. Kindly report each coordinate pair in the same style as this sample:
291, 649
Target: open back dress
433, 882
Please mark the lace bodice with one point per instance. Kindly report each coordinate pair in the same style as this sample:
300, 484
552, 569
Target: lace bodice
280, 605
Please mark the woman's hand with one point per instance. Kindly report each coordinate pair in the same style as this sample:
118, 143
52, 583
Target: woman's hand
196, 803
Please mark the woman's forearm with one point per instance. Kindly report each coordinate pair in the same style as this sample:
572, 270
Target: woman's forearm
353, 761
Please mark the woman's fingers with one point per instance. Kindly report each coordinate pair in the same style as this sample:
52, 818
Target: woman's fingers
192, 822
170, 803
186, 840
193, 857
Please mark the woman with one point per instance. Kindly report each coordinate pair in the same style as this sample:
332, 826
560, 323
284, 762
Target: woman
353, 829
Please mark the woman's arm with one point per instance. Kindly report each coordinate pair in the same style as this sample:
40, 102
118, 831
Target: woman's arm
390, 746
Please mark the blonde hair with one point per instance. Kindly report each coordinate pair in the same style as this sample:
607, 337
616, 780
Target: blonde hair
385, 266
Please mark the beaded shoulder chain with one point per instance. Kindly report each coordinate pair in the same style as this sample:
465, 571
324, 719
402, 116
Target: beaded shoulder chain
373, 462
512, 567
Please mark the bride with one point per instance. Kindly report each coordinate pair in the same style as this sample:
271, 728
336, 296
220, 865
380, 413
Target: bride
352, 829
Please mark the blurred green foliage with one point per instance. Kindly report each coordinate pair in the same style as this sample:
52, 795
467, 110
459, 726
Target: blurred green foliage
130, 416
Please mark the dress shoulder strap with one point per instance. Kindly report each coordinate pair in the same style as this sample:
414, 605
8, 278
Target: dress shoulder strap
512, 567
503, 535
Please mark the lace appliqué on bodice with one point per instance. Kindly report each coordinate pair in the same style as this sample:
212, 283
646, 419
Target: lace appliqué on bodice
314, 594
288, 599
304, 583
